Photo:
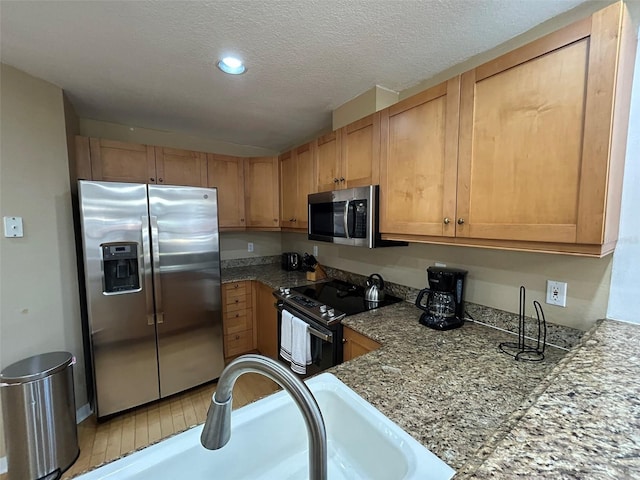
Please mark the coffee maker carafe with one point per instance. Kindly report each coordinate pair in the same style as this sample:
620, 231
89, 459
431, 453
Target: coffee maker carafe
443, 306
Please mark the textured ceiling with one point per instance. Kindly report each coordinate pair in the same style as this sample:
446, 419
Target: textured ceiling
151, 63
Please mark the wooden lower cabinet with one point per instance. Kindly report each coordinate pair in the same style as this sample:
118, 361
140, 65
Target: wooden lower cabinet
356, 344
250, 319
266, 320
237, 318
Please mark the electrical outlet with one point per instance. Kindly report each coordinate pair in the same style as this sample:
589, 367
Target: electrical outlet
315, 250
557, 293
250, 247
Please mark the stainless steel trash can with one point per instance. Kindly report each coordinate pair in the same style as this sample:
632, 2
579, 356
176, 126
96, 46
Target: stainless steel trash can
39, 412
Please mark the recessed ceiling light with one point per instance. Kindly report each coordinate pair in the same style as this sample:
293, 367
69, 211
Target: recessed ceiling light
232, 66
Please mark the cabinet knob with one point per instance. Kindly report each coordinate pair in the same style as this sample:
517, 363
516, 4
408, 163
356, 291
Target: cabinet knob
160, 180
152, 179
236, 286
342, 179
335, 180
292, 219
242, 219
275, 220
344, 340
446, 221
237, 300
460, 221
237, 315
295, 219
237, 337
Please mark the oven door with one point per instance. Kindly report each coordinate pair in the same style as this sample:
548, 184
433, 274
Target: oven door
326, 343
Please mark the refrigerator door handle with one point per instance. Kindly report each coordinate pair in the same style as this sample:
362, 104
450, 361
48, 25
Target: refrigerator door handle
146, 259
155, 254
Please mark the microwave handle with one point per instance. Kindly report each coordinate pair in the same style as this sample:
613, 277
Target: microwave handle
346, 219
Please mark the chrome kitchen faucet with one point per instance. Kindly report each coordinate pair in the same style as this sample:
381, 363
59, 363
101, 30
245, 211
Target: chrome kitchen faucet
217, 429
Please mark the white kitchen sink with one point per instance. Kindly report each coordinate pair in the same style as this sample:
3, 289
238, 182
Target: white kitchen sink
269, 441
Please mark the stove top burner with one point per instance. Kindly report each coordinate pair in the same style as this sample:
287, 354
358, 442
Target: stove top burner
329, 302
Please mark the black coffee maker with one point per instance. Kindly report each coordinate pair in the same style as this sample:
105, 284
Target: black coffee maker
443, 306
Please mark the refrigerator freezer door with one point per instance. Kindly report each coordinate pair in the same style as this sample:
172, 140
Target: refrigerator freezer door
115, 238
188, 298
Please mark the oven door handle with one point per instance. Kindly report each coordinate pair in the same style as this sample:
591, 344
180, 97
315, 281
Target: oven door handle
320, 335
316, 333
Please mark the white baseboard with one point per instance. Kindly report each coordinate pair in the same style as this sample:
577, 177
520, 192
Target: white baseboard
82, 413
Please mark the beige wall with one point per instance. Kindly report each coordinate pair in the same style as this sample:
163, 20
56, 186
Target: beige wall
234, 244
124, 133
39, 305
494, 276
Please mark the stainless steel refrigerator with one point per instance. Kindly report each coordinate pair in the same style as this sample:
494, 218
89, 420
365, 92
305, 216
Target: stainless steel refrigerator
152, 275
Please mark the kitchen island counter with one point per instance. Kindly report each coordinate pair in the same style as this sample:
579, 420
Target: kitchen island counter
573, 415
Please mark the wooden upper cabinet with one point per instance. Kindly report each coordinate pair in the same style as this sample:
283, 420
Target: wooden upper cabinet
226, 173
288, 189
82, 159
360, 153
543, 134
328, 162
305, 183
262, 193
296, 183
180, 167
113, 161
349, 157
419, 154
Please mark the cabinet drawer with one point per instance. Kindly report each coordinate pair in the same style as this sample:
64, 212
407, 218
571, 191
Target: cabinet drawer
237, 288
235, 322
237, 306
238, 343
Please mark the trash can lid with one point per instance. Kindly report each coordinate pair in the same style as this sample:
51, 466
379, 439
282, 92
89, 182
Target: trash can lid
36, 367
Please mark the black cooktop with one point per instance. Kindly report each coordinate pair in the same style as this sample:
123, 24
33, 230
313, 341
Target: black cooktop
343, 296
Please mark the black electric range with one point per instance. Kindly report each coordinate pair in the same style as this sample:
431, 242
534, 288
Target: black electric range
329, 302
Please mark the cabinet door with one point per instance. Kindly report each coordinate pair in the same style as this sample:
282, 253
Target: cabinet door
262, 195
328, 162
535, 133
288, 189
226, 173
113, 161
419, 163
356, 344
266, 321
181, 167
360, 153
82, 165
305, 183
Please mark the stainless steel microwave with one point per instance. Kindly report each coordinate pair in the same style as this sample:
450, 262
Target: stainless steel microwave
347, 217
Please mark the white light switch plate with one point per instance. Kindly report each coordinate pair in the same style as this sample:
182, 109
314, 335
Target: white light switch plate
13, 227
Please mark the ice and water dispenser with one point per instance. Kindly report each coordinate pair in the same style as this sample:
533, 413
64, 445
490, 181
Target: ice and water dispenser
120, 267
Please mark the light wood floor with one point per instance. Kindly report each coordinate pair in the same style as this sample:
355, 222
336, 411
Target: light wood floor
106, 441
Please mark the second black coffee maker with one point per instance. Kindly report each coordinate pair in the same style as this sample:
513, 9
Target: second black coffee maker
442, 302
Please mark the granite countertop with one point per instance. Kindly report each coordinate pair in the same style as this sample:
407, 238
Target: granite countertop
573, 415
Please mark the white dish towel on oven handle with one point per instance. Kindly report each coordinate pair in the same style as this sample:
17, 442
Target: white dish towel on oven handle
295, 343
